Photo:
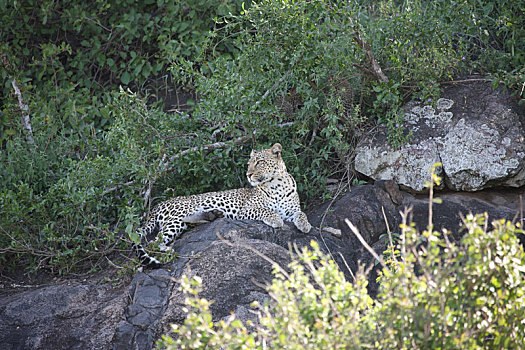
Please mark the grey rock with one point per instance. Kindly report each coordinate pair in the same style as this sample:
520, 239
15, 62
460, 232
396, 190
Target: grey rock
364, 206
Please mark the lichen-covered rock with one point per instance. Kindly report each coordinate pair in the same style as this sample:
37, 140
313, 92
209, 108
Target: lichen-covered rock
408, 166
476, 133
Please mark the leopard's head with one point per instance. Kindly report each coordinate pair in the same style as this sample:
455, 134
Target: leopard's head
266, 165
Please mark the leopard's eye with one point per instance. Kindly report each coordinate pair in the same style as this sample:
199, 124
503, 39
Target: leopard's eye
260, 163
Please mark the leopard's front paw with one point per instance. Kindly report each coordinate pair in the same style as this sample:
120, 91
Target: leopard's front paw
301, 222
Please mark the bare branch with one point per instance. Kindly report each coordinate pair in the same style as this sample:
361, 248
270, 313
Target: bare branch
210, 147
464, 81
117, 187
347, 267
24, 108
371, 58
363, 242
376, 69
165, 168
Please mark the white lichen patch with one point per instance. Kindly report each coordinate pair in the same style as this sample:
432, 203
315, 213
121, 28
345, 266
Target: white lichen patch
445, 117
416, 113
444, 104
482, 149
428, 112
462, 149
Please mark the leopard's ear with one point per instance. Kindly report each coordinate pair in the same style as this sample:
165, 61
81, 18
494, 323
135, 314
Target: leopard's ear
277, 149
252, 154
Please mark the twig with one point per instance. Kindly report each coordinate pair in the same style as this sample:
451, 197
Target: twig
347, 267
274, 86
99, 24
389, 233
363, 242
113, 264
118, 187
463, 81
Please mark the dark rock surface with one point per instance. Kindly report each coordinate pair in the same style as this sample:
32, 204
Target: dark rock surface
62, 316
233, 260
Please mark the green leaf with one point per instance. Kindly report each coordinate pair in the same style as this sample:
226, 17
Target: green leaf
125, 78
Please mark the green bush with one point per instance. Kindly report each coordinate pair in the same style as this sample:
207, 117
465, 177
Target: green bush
280, 87
421, 43
436, 295
105, 43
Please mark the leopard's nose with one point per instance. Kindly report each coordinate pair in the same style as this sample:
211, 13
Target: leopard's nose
249, 175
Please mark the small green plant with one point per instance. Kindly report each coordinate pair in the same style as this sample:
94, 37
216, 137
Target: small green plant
392, 254
514, 79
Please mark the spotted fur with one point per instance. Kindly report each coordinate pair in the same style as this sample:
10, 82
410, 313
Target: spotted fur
272, 199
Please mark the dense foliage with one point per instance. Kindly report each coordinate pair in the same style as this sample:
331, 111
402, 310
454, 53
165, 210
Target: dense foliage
102, 148
436, 295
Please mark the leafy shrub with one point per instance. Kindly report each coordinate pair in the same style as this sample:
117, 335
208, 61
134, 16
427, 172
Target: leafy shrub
423, 42
109, 42
294, 58
79, 48
438, 294
81, 197
280, 87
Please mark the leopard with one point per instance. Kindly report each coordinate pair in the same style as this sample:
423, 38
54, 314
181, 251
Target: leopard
272, 198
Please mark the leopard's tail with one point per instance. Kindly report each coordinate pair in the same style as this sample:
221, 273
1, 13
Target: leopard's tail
144, 258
